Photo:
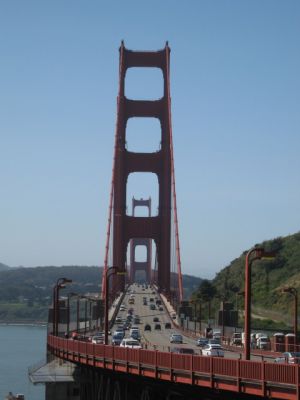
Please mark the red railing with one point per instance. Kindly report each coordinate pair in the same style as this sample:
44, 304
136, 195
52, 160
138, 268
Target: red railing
193, 369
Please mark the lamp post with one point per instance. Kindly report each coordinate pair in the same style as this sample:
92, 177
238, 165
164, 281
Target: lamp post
241, 293
109, 272
200, 316
293, 292
194, 302
71, 294
60, 284
258, 253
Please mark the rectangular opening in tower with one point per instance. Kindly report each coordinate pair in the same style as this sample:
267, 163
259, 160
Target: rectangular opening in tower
144, 83
143, 135
142, 185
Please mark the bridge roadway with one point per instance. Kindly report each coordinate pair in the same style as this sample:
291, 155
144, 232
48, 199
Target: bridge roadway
190, 376
158, 339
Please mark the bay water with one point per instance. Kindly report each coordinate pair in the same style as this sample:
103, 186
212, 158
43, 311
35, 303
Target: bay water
20, 347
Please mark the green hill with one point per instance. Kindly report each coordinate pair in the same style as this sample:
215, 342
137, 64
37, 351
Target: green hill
26, 293
4, 267
268, 278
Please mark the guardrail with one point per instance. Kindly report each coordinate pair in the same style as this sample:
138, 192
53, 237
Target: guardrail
252, 377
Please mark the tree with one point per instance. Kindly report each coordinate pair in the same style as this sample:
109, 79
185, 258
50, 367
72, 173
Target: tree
207, 292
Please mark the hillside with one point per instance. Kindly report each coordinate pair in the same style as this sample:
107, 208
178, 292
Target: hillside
4, 267
26, 293
268, 279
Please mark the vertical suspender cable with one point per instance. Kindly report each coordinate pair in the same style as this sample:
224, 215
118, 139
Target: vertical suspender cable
173, 178
112, 184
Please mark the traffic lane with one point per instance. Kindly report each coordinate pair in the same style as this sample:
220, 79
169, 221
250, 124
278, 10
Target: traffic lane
160, 339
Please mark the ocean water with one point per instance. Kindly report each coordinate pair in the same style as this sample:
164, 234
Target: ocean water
20, 347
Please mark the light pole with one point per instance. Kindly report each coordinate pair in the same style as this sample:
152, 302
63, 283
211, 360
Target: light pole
109, 272
60, 284
194, 302
293, 292
200, 316
258, 253
241, 293
71, 294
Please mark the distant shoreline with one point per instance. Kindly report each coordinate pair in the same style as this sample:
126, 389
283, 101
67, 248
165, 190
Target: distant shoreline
23, 323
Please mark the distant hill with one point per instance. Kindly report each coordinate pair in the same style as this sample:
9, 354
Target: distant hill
268, 278
4, 267
26, 293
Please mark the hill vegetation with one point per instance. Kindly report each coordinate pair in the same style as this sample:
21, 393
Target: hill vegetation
26, 293
268, 278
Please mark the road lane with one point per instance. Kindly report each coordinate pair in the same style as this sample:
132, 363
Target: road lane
155, 339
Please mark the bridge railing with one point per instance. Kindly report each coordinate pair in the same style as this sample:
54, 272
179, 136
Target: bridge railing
255, 371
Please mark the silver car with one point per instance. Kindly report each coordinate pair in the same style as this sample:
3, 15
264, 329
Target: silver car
175, 338
213, 350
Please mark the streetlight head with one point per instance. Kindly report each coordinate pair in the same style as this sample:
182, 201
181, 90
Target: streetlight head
287, 289
262, 254
66, 280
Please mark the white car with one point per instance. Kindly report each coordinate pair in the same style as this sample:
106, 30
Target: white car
131, 343
213, 350
98, 339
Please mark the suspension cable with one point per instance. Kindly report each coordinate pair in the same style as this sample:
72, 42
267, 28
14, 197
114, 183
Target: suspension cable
173, 180
111, 197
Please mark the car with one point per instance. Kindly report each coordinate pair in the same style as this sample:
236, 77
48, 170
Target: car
120, 327
145, 302
151, 299
131, 300
175, 338
117, 339
161, 308
213, 350
201, 342
136, 320
214, 341
236, 339
122, 308
168, 325
155, 319
119, 331
289, 358
152, 307
135, 335
157, 327
98, 339
182, 350
158, 302
263, 343
147, 327
118, 320
174, 316
131, 343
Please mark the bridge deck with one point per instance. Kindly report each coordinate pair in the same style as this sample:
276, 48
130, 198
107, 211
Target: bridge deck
258, 378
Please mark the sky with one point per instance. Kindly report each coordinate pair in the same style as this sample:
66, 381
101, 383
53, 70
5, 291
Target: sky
235, 90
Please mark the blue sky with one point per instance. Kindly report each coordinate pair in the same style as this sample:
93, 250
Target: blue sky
235, 107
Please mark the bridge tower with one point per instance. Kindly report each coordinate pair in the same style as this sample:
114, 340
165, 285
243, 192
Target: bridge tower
158, 227
140, 265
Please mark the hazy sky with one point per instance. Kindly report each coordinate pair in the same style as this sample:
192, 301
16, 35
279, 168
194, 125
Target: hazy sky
236, 116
